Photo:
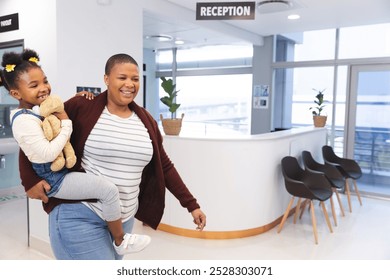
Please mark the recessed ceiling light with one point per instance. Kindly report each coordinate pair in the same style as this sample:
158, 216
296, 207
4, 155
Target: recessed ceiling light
159, 38
273, 6
179, 42
293, 17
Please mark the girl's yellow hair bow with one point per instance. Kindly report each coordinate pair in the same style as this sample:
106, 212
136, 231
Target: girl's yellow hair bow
33, 59
10, 67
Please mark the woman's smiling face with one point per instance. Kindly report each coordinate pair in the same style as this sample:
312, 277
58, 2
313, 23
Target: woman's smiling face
123, 83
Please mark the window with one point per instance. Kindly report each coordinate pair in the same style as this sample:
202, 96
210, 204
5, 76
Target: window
305, 82
354, 78
374, 43
306, 46
218, 103
214, 90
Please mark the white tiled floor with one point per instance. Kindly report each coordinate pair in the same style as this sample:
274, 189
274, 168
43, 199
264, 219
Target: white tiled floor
363, 234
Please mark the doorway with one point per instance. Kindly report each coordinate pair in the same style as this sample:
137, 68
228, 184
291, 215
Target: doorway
12, 46
11, 190
368, 126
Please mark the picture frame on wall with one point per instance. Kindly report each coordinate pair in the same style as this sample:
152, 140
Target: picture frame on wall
95, 90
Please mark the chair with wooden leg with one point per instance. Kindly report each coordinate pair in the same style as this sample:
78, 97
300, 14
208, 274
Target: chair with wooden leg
349, 168
334, 176
307, 185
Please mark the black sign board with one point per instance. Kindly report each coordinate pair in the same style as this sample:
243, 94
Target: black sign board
225, 10
9, 23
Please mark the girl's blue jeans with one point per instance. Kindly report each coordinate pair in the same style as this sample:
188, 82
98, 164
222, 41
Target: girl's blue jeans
77, 233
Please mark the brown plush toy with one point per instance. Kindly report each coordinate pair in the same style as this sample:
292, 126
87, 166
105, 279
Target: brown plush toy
51, 126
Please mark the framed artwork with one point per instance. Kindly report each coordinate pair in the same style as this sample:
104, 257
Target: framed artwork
95, 90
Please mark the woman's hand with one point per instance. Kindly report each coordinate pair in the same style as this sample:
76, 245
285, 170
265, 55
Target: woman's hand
61, 115
38, 191
88, 95
199, 219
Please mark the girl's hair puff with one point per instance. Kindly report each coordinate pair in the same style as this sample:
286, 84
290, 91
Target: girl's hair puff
28, 54
17, 65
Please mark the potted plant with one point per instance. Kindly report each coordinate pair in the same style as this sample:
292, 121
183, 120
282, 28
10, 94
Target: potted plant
319, 120
171, 126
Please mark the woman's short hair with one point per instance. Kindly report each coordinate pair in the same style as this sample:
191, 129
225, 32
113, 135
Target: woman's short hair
118, 59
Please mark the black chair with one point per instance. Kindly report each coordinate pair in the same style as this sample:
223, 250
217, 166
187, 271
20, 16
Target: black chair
311, 186
349, 168
334, 176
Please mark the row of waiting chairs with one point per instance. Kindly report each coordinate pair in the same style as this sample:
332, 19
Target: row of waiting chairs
318, 181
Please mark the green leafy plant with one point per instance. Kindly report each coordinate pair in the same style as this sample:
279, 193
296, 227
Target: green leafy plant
319, 101
170, 99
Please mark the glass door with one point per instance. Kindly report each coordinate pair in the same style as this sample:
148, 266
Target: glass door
368, 126
14, 46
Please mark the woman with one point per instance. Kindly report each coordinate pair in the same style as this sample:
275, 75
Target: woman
109, 136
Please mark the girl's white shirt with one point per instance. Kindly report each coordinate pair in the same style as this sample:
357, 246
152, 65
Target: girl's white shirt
28, 132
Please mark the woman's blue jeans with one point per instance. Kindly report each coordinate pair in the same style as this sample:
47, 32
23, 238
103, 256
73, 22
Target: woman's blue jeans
77, 233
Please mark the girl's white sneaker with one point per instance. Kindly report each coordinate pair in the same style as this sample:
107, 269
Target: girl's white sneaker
132, 243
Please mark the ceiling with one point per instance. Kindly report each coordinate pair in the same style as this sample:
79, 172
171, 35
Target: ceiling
176, 18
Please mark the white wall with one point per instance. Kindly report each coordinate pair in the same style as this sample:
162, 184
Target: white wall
74, 39
88, 34
37, 26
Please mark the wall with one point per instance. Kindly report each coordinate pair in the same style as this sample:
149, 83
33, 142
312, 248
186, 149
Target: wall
261, 119
88, 34
37, 26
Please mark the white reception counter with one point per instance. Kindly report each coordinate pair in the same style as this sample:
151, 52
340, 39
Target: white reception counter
237, 180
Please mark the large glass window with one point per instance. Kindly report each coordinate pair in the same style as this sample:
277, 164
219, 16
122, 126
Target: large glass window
365, 41
306, 46
356, 92
306, 83
214, 90
214, 104
164, 60
206, 57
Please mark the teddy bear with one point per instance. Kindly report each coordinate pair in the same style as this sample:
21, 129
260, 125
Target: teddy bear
51, 126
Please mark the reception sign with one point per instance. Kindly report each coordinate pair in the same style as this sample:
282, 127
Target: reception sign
225, 10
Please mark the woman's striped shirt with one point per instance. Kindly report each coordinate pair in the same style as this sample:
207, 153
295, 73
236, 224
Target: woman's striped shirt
118, 149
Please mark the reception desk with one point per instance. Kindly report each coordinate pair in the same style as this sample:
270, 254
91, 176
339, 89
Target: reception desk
237, 180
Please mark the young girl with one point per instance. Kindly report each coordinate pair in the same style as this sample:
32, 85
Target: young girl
26, 82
